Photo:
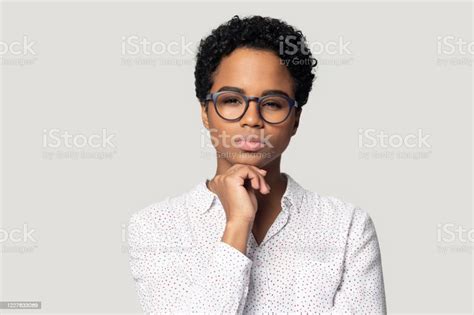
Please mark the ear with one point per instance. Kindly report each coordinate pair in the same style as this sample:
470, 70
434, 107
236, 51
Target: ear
204, 117
297, 121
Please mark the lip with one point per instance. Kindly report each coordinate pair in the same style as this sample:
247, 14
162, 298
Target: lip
249, 143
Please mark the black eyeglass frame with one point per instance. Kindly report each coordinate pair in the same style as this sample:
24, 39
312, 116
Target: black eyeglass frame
213, 97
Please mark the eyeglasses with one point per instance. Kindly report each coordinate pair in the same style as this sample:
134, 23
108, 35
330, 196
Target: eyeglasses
232, 106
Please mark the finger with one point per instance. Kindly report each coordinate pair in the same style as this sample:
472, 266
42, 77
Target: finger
255, 180
247, 173
264, 187
262, 171
254, 175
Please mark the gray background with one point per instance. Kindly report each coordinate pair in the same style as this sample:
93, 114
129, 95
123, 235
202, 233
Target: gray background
392, 78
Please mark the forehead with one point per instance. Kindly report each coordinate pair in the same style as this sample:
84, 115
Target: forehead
254, 71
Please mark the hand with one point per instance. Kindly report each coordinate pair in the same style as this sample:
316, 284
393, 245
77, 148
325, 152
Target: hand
236, 191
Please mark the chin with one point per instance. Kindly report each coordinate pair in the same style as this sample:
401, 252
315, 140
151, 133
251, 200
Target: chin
258, 159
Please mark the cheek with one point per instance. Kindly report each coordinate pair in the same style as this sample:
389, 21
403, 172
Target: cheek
211, 116
216, 124
281, 133
279, 139
222, 134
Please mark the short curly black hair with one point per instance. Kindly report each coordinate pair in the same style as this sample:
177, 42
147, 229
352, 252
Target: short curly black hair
256, 32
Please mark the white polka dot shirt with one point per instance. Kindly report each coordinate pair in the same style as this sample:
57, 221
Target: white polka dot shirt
320, 255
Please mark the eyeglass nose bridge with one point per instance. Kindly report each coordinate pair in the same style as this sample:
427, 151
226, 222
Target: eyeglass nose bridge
253, 98
248, 99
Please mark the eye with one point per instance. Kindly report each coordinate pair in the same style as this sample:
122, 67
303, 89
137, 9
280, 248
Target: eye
272, 105
232, 100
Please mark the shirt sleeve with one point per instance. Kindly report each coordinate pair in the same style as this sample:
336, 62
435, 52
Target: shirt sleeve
362, 287
162, 287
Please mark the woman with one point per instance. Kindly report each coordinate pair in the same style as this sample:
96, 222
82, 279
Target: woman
251, 239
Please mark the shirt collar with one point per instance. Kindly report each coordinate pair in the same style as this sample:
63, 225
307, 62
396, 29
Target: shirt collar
201, 198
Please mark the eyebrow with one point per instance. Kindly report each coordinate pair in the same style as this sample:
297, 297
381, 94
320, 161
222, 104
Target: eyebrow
239, 90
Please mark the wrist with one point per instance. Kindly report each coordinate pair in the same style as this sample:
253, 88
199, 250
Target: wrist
238, 224
236, 234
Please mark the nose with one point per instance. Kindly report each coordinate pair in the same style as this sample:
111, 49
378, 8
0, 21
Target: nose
252, 117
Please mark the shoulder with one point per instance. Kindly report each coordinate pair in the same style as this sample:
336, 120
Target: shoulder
336, 212
159, 211
158, 221
327, 205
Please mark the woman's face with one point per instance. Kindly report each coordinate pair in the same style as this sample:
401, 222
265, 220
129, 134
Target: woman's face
253, 72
